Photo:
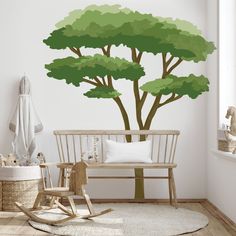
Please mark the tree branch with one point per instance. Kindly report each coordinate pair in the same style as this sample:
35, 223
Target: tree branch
169, 60
139, 57
152, 112
164, 67
156, 103
104, 81
174, 66
97, 80
172, 98
106, 51
157, 100
90, 82
133, 54
99, 83
166, 63
139, 102
109, 81
123, 111
121, 107
118, 101
143, 98
76, 51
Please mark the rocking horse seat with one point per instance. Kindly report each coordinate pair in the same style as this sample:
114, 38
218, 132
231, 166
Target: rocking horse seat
58, 191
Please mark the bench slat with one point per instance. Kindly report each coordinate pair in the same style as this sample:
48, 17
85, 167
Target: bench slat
119, 165
116, 132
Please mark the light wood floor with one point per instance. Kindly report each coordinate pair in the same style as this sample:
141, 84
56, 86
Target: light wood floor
16, 223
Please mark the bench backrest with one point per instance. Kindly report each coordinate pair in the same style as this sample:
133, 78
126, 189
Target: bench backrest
72, 144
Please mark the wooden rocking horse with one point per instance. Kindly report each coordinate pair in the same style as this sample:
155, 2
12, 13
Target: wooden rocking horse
77, 179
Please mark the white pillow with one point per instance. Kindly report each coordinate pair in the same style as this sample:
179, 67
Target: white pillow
128, 152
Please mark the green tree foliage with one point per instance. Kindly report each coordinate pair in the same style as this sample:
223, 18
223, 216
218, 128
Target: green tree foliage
102, 92
97, 27
73, 70
104, 27
191, 85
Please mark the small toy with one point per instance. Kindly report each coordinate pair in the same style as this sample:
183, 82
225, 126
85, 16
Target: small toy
91, 154
95, 148
41, 158
2, 160
11, 160
33, 161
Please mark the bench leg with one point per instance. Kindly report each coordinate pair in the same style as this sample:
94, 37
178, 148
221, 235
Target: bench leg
170, 186
173, 188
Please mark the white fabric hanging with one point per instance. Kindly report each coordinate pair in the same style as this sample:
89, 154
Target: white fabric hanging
25, 122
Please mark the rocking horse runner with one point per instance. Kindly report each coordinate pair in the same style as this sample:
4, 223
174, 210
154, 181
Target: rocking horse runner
77, 181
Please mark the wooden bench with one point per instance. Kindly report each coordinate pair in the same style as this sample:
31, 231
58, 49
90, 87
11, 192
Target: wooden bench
73, 144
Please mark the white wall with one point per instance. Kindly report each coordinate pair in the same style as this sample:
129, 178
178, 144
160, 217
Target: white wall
24, 24
221, 173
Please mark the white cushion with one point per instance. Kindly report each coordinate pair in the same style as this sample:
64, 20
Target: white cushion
128, 152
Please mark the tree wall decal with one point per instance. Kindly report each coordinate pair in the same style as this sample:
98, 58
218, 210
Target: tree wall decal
104, 27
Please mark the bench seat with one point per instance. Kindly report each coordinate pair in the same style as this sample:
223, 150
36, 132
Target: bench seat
120, 165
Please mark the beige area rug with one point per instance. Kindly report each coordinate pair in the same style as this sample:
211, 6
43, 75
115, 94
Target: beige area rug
129, 219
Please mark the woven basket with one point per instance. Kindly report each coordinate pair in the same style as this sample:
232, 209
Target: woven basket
23, 191
225, 146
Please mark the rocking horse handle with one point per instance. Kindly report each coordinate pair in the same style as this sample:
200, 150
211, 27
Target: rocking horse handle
45, 169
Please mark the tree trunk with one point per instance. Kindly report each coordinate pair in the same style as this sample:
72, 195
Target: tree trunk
139, 184
139, 180
138, 173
